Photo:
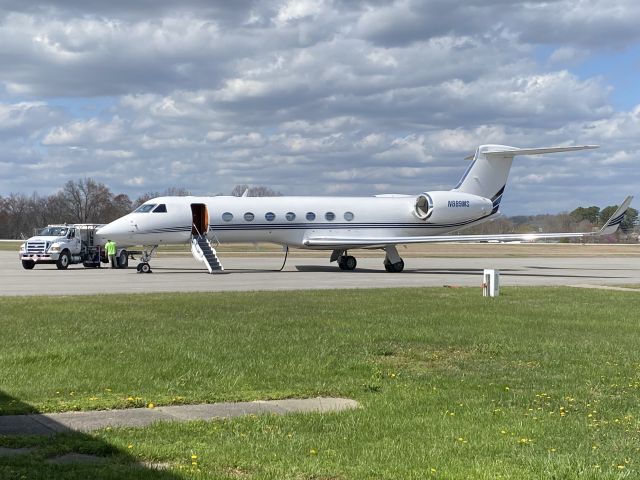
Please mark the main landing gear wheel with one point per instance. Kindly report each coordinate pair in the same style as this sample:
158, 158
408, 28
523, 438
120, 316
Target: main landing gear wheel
144, 268
347, 262
393, 267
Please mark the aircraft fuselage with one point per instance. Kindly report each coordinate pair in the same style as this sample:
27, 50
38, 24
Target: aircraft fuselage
285, 220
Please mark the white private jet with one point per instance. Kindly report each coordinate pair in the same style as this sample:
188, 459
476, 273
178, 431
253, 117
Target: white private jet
338, 224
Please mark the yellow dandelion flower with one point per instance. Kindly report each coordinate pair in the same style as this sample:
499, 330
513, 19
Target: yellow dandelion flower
194, 457
129, 446
150, 405
313, 451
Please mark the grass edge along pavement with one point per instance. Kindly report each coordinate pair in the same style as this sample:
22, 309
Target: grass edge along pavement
539, 382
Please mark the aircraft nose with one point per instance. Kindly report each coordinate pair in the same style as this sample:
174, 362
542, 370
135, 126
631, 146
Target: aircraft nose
119, 231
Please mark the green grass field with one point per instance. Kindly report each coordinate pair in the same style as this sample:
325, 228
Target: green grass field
538, 383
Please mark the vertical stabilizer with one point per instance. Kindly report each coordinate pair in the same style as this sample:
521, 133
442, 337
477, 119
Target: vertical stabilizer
487, 175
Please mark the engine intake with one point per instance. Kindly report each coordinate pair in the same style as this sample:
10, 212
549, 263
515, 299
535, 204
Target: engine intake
451, 207
424, 206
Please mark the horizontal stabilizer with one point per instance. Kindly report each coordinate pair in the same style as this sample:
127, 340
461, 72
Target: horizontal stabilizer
536, 151
513, 151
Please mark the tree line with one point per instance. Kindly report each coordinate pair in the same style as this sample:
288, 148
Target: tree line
88, 201
82, 201
581, 219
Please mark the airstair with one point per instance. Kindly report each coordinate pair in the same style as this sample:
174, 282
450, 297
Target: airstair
204, 252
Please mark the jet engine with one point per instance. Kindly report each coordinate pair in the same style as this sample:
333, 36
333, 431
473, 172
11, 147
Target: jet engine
448, 207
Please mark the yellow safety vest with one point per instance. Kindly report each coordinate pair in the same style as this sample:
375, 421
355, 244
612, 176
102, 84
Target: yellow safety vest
111, 248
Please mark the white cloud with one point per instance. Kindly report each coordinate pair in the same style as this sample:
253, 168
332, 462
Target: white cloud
312, 97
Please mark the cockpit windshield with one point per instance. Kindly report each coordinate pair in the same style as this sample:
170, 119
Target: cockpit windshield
54, 231
145, 208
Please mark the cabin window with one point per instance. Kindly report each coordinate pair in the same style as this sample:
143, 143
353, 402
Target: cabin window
348, 216
146, 208
330, 216
249, 216
290, 216
227, 216
311, 216
162, 208
269, 216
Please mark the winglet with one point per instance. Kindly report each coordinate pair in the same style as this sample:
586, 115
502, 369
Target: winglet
612, 225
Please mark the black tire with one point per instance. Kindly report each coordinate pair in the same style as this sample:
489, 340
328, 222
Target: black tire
387, 265
123, 259
341, 264
63, 260
144, 268
28, 264
398, 267
350, 262
393, 267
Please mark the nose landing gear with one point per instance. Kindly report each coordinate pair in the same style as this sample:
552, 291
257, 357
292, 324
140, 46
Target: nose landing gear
143, 266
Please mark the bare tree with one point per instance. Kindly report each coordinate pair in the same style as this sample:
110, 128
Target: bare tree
257, 191
169, 192
16, 207
120, 205
4, 219
87, 200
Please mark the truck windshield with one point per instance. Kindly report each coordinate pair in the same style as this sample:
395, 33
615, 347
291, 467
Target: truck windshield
53, 231
147, 207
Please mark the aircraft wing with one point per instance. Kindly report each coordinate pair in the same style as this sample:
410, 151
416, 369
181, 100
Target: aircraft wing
354, 242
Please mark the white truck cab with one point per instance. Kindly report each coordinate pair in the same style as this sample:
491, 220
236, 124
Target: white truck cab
64, 245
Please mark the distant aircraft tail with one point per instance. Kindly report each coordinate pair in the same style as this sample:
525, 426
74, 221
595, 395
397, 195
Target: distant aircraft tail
488, 172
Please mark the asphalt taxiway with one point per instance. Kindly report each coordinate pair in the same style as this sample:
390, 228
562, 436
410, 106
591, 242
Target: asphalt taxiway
184, 274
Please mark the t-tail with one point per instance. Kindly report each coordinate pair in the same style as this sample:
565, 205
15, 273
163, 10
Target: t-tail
488, 172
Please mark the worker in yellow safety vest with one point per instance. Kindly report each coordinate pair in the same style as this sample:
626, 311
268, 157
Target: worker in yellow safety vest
111, 250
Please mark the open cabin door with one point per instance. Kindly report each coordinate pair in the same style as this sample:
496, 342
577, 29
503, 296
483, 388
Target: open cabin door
201, 247
199, 219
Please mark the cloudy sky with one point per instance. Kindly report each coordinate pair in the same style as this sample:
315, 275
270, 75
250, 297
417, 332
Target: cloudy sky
320, 97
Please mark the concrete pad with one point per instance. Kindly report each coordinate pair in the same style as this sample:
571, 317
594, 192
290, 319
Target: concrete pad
87, 421
73, 458
24, 425
14, 452
52, 423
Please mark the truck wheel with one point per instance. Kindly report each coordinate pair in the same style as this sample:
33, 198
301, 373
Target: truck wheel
123, 259
28, 264
63, 260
